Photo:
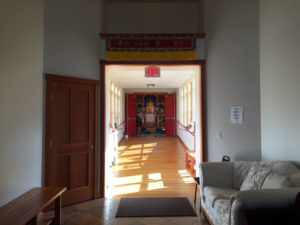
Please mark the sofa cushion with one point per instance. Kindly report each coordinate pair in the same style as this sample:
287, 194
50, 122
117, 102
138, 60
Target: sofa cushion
295, 180
212, 194
255, 178
240, 172
219, 215
275, 181
284, 168
222, 212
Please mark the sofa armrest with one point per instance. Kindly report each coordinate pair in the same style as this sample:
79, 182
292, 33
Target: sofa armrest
260, 199
216, 174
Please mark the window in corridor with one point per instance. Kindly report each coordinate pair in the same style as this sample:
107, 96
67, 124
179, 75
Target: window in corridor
115, 104
187, 103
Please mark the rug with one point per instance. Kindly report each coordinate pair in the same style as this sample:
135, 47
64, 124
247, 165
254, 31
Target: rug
155, 207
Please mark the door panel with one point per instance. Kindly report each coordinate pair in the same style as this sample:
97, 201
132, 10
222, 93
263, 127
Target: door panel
79, 168
170, 113
131, 114
80, 116
71, 130
60, 119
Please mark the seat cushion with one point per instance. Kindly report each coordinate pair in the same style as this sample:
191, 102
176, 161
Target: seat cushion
211, 194
219, 215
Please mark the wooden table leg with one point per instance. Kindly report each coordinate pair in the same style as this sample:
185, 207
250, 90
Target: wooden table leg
57, 211
187, 159
195, 194
192, 164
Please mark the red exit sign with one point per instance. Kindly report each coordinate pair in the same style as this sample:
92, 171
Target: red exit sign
152, 71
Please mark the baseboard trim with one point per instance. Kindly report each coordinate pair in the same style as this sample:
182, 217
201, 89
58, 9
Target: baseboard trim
182, 142
121, 139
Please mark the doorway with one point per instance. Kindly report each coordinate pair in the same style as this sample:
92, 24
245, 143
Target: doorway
151, 142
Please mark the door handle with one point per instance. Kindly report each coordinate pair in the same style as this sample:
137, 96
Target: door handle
91, 147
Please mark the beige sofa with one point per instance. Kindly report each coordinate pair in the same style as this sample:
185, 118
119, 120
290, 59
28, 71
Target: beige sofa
227, 189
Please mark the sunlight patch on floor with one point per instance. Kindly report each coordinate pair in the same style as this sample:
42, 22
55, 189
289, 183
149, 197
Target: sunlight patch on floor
188, 180
149, 145
154, 176
134, 159
186, 177
127, 189
120, 148
155, 185
128, 180
129, 167
135, 146
134, 152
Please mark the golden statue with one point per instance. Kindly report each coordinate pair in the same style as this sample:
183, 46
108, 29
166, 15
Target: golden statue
150, 106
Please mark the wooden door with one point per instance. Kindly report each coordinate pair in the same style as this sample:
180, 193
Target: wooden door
131, 114
70, 137
170, 114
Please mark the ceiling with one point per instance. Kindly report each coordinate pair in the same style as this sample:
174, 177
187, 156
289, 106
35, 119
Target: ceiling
133, 76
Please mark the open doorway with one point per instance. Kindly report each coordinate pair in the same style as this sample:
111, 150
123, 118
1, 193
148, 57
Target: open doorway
152, 128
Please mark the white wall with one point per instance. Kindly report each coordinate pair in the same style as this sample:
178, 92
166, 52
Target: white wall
158, 17
72, 44
280, 79
21, 97
232, 77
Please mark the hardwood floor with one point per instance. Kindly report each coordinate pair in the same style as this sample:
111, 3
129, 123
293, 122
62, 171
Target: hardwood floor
147, 167
150, 167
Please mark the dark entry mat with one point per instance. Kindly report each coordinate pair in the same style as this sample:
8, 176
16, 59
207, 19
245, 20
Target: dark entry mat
155, 207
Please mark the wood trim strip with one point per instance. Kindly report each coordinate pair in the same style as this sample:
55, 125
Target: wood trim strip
150, 93
62, 78
202, 106
96, 152
198, 35
102, 98
158, 63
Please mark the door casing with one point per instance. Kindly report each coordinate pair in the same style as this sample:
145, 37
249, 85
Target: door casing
102, 87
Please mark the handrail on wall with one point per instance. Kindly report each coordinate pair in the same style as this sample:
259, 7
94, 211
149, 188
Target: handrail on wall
120, 125
192, 133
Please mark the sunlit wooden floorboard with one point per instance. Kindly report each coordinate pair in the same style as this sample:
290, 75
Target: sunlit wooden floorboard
150, 167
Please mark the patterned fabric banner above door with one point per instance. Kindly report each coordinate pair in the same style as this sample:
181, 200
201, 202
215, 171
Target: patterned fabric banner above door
148, 47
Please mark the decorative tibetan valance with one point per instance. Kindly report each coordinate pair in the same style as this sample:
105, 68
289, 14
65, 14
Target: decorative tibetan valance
151, 47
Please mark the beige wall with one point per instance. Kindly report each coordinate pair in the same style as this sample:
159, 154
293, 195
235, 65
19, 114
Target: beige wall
21, 97
280, 79
152, 18
232, 78
72, 44
162, 16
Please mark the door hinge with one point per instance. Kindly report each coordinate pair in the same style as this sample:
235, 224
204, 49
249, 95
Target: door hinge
50, 144
51, 97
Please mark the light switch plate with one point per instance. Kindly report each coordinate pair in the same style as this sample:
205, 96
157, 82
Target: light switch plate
219, 135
